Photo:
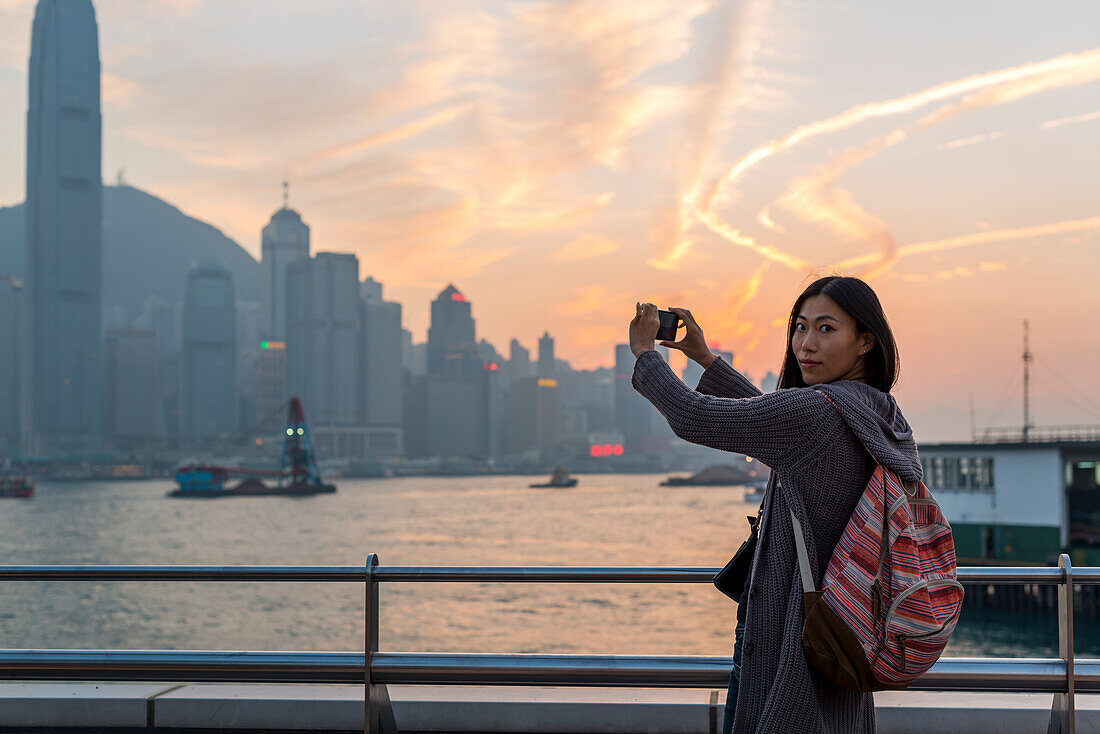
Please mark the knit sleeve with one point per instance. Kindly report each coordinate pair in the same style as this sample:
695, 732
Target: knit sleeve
775, 428
723, 381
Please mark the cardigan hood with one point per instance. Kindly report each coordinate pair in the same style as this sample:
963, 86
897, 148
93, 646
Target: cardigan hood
875, 419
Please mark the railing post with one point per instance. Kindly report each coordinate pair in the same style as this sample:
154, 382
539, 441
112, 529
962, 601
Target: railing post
378, 713
1062, 714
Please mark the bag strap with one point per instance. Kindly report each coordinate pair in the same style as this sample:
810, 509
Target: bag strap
803, 557
800, 540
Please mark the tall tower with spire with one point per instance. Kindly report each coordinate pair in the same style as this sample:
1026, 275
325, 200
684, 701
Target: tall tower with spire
64, 220
285, 240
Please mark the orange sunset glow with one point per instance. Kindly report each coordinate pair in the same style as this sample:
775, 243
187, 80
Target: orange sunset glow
559, 161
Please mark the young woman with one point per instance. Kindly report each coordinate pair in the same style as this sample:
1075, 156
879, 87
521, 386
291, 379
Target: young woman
818, 431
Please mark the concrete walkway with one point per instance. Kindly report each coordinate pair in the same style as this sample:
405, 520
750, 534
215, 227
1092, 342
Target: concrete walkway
255, 708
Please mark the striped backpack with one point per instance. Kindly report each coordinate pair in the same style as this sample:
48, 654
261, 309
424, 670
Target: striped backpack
890, 598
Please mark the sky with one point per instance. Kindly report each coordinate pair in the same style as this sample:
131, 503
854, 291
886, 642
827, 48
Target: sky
559, 160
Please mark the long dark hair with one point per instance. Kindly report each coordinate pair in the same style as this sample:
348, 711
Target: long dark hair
861, 303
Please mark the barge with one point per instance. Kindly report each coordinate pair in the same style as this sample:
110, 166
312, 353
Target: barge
297, 476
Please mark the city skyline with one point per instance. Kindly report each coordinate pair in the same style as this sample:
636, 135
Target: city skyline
953, 182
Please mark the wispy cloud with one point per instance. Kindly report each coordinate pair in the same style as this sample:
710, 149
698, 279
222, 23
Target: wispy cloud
816, 197
1049, 124
764, 217
980, 238
1063, 70
733, 28
972, 140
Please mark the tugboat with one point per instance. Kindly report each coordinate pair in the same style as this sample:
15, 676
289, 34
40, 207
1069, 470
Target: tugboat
559, 479
297, 476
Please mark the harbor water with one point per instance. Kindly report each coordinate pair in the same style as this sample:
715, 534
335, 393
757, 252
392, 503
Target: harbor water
608, 520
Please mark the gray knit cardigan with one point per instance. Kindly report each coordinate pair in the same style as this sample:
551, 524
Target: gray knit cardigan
821, 456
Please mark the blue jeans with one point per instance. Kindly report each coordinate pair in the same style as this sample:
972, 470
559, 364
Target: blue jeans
735, 680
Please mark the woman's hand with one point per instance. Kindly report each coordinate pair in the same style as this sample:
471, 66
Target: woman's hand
693, 344
643, 329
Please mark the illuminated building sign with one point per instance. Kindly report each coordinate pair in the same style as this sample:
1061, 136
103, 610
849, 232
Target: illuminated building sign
272, 345
456, 296
547, 382
606, 449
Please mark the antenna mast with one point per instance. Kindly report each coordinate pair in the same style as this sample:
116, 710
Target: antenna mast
973, 430
1027, 361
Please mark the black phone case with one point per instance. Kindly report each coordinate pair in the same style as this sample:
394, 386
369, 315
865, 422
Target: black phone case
668, 334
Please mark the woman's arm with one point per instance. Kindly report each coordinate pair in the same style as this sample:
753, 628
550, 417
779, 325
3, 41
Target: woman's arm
719, 378
723, 381
778, 428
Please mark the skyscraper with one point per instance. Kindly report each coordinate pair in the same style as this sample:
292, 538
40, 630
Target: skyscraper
451, 334
452, 403
382, 378
209, 380
546, 355
534, 417
285, 240
519, 361
64, 225
12, 357
269, 397
131, 394
634, 415
324, 338
383, 374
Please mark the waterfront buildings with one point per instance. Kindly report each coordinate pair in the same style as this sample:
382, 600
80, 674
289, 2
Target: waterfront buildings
208, 410
324, 338
1015, 501
130, 394
63, 213
343, 358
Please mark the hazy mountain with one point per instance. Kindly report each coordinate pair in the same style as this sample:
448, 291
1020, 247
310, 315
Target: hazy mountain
148, 247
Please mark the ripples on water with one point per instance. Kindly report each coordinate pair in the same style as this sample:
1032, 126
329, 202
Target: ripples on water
609, 520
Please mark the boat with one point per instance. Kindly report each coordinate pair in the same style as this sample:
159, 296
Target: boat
209, 481
297, 475
719, 475
754, 492
14, 487
559, 479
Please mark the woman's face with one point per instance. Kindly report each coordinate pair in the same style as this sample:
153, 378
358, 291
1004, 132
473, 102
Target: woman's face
827, 343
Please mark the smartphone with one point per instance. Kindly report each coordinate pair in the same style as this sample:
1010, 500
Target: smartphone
669, 323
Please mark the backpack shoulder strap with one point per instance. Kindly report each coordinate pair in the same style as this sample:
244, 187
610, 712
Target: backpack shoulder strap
803, 557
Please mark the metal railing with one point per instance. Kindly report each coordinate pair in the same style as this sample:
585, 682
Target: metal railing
377, 669
1038, 434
